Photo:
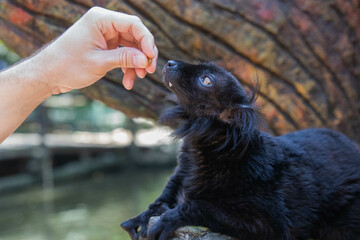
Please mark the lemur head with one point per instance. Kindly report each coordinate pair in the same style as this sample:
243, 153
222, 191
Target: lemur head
207, 90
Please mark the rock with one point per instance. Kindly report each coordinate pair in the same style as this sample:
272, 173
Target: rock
193, 233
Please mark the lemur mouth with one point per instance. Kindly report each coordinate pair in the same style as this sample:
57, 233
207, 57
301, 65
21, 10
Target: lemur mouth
170, 65
167, 82
165, 79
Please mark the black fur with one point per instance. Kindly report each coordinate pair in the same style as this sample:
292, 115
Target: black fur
237, 180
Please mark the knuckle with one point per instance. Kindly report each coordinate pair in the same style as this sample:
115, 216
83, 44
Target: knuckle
121, 58
151, 37
124, 58
94, 10
136, 19
93, 13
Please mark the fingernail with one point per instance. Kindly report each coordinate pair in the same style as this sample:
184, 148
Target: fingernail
141, 75
140, 61
154, 63
150, 60
156, 51
127, 85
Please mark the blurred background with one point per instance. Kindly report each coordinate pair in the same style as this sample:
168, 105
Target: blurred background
76, 168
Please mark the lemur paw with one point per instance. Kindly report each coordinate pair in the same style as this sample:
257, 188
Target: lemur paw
132, 225
165, 227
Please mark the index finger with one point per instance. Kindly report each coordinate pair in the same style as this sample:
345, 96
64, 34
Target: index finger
132, 24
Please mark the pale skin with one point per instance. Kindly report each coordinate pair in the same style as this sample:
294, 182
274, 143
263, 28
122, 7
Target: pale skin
78, 58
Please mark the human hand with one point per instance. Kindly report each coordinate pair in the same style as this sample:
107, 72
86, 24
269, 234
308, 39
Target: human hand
89, 49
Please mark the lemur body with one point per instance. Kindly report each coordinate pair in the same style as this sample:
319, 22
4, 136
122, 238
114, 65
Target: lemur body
240, 181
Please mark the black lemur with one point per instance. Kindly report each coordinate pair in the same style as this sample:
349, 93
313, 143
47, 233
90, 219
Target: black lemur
240, 181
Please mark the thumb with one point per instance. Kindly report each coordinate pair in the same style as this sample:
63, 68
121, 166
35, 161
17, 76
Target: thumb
125, 57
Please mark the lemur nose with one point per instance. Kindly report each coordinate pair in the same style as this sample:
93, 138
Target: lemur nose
171, 63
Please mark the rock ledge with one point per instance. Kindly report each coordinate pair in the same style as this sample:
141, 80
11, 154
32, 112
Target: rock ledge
193, 233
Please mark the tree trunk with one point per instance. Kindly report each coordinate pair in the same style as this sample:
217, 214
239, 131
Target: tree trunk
305, 54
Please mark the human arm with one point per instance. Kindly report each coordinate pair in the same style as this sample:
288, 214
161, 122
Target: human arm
77, 59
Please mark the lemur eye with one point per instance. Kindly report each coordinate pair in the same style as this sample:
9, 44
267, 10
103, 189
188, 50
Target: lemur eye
206, 81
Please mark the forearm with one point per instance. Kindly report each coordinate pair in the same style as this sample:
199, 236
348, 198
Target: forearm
22, 88
171, 191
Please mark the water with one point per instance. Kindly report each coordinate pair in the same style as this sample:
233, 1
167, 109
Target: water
91, 208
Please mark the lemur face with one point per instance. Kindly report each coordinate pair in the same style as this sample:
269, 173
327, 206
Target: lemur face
203, 89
